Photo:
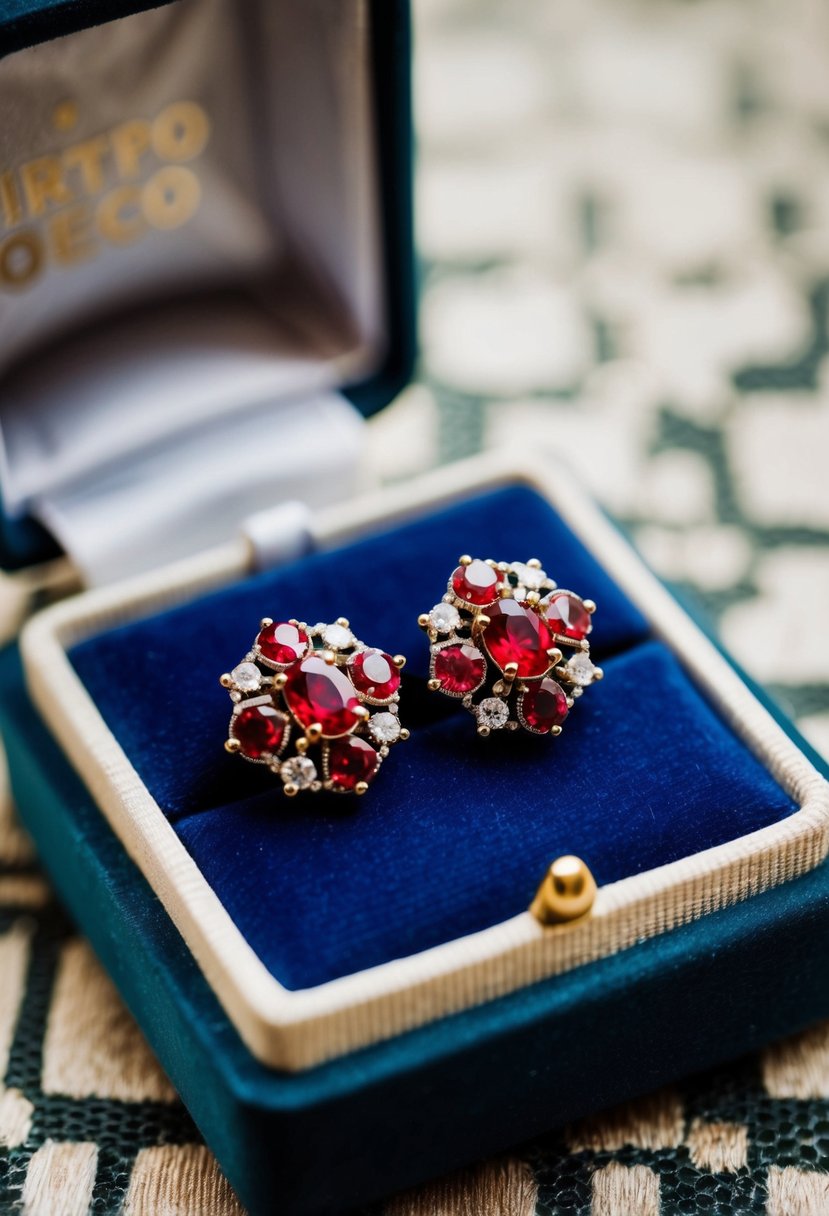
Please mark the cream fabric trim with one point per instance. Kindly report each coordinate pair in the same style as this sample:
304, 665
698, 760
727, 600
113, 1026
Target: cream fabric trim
295, 1030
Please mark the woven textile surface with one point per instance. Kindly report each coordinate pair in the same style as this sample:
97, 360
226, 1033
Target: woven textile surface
624, 221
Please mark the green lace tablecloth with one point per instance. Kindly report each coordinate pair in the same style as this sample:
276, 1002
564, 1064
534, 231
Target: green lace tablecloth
624, 218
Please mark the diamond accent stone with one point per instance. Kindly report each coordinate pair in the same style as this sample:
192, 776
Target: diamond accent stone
247, 677
299, 771
444, 618
337, 637
529, 577
384, 727
580, 670
493, 712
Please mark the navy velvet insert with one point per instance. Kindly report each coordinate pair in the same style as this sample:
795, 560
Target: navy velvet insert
457, 831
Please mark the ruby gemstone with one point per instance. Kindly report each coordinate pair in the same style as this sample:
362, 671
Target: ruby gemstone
477, 583
351, 761
319, 692
282, 643
460, 669
544, 705
260, 730
566, 614
374, 674
517, 634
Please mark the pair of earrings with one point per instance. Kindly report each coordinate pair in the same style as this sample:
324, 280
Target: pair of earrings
505, 640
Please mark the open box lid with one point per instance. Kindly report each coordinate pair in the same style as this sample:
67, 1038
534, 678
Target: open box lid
206, 248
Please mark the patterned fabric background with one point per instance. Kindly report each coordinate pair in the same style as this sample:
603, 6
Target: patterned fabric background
624, 215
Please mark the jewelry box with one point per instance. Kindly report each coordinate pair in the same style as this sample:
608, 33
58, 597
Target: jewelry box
349, 998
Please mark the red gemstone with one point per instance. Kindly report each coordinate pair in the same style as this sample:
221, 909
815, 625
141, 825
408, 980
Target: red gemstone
319, 692
282, 643
517, 634
544, 705
374, 674
567, 614
260, 730
460, 669
477, 583
351, 761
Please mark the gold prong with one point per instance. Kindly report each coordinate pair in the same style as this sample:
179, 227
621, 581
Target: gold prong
329, 657
464, 560
226, 680
555, 730
266, 621
567, 892
554, 655
292, 620
232, 745
341, 620
483, 731
313, 733
589, 605
400, 661
290, 790
361, 712
302, 745
570, 702
360, 788
280, 680
510, 672
433, 685
598, 673
489, 562
423, 620
533, 598
534, 563
481, 621
505, 591
404, 735
584, 644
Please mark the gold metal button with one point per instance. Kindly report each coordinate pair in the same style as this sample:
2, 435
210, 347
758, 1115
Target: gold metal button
566, 893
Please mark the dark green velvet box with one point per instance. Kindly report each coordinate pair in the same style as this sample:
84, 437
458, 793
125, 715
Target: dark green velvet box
673, 781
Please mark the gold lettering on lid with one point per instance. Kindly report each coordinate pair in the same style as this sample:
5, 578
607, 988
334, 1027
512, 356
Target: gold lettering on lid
130, 142
88, 159
10, 199
21, 258
180, 131
65, 115
44, 184
171, 197
120, 219
71, 235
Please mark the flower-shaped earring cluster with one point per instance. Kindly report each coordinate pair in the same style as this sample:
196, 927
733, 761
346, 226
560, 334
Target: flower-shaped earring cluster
511, 645
324, 690
320, 708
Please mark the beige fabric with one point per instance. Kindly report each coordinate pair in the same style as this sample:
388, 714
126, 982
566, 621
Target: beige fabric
179, 1180
799, 1067
60, 1180
719, 1148
92, 1045
499, 1188
794, 1192
632, 1190
654, 1122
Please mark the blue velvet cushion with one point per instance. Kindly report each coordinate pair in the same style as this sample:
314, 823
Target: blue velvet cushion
457, 831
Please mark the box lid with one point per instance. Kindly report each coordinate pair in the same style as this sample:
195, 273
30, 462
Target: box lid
367, 382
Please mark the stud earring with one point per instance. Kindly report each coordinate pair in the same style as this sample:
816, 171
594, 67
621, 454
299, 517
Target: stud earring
511, 645
321, 687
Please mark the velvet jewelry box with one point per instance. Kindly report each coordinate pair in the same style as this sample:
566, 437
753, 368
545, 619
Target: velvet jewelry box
348, 998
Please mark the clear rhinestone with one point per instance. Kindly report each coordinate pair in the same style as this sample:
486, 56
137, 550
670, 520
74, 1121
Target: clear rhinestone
337, 637
384, 727
444, 618
299, 771
246, 676
580, 670
493, 712
528, 577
